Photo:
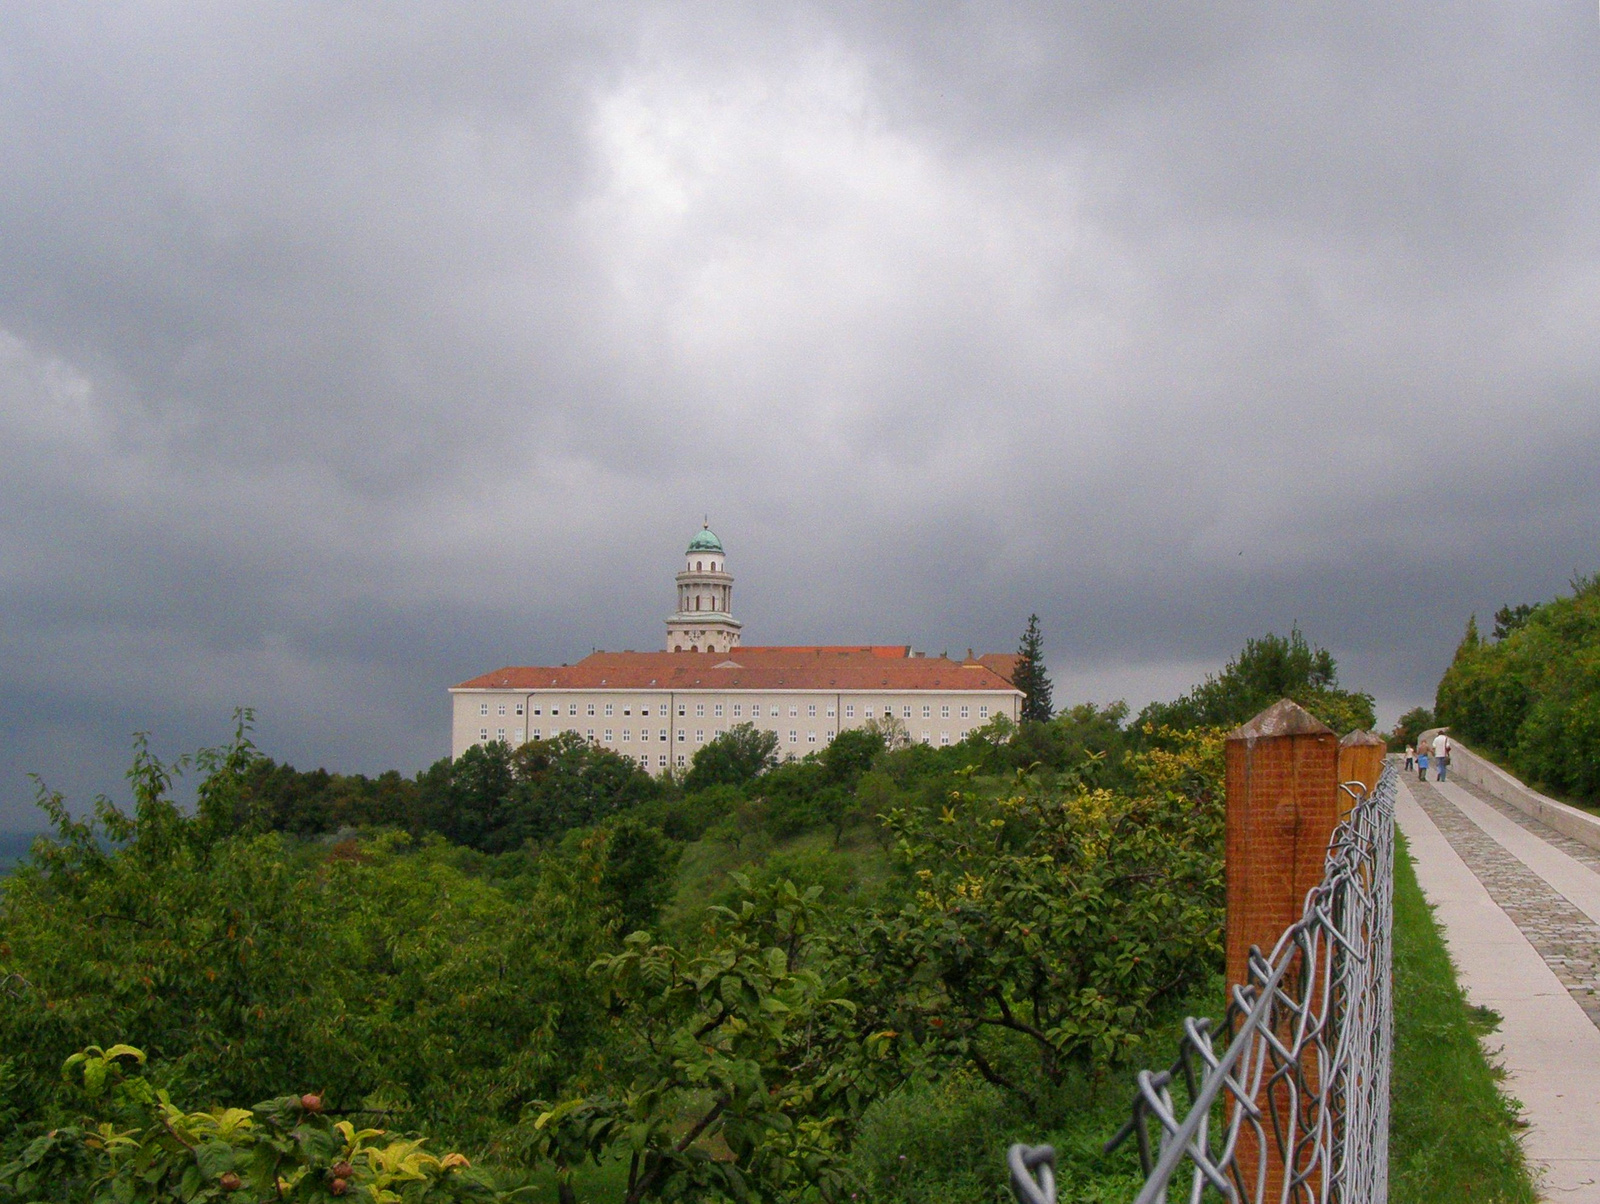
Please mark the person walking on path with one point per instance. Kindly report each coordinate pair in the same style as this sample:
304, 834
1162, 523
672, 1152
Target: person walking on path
1411, 756
1441, 754
1422, 765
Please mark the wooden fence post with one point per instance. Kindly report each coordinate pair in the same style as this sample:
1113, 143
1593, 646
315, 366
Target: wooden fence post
1360, 760
1283, 805
1282, 782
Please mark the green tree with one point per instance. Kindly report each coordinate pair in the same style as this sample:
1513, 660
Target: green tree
740, 755
1268, 668
638, 876
1408, 727
1030, 677
1533, 695
241, 963
1051, 922
1511, 618
743, 1067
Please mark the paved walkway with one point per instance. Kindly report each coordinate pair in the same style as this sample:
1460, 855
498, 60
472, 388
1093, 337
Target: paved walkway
1520, 908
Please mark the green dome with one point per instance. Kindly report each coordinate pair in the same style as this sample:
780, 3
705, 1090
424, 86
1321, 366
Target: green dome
705, 540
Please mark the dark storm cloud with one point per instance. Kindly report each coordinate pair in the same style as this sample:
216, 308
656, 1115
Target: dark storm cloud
347, 352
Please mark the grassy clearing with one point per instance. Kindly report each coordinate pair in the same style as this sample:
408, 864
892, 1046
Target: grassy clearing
1453, 1131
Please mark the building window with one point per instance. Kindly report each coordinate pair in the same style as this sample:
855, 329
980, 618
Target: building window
700, 709
483, 708
644, 760
644, 710
944, 737
683, 735
738, 709
663, 760
663, 737
793, 712
811, 711
572, 708
483, 733
965, 711
830, 712
589, 735
927, 738
717, 711
519, 708
502, 709
680, 760
794, 736
627, 736
983, 711
850, 711
534, 734
811, 737
608, 710
866, 712
499, 733
905, 712
608, 735
682, 710
944, 712
699, 736
591, 708
927, 711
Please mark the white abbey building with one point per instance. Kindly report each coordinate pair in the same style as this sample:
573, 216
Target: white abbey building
658, 708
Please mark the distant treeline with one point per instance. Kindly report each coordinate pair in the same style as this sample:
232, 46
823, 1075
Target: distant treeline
1530, 693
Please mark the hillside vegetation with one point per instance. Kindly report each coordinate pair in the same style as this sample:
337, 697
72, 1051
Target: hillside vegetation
1530, 694
857, 974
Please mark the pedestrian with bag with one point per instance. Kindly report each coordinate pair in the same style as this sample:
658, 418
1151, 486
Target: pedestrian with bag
1441, 754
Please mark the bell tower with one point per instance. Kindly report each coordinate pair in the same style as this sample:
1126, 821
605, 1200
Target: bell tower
704, 619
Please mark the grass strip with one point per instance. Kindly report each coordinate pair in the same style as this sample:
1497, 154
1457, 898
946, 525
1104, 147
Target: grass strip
1453, 1131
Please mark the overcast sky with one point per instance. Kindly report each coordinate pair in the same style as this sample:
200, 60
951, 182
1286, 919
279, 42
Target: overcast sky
348, 351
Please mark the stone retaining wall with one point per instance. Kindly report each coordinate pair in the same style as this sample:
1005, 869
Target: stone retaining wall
1490, 778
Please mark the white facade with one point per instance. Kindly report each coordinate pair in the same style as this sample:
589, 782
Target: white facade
661, 729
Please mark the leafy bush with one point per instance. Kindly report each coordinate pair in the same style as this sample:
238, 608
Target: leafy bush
1533, 696
1268, 669
138, 1146
378, 971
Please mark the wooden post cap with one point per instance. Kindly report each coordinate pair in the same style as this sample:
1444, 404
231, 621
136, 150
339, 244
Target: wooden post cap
1282, 718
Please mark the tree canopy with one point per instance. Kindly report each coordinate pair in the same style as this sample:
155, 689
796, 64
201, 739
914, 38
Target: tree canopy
1531, 694
1267, 669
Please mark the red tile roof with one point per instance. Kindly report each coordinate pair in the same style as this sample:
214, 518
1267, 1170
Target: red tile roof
863, 667
1003, 663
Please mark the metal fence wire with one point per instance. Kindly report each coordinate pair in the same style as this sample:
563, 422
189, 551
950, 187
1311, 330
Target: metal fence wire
1296, 1108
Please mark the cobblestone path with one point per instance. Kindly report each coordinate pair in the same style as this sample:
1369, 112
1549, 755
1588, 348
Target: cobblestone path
1577, 850
1567, 940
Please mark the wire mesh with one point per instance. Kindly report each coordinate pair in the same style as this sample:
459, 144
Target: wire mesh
1295, 1108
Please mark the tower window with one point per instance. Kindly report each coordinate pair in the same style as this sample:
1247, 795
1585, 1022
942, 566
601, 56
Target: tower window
698, 566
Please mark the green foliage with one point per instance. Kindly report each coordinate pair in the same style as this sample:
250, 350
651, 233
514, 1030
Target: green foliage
1268, 669
1512, 618
495, 798
377, 970
1455, 1137
138, 1147
751, 1050
1048, 924
638, 876
1409, 727
1030, 677
740, 755
1533, 696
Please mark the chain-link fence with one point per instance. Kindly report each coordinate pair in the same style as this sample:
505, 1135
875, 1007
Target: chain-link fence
1296, 1108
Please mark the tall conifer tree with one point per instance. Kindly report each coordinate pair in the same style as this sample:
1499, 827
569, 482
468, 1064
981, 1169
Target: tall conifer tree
1030, 676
